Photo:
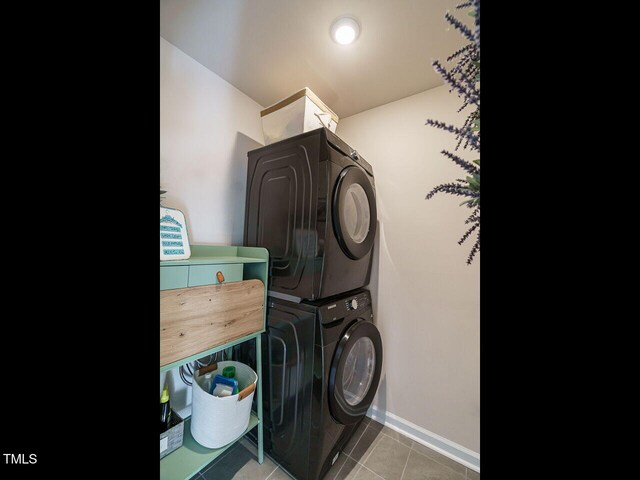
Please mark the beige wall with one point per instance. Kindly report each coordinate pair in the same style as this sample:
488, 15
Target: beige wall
207, 126
426, 298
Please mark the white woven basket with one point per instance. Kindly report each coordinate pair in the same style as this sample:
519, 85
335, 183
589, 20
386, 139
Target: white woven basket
218, 421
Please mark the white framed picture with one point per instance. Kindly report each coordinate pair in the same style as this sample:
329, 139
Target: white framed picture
174, 241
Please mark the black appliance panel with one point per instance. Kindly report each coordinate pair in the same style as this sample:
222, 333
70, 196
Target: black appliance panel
290, 348
282, 198
317, 248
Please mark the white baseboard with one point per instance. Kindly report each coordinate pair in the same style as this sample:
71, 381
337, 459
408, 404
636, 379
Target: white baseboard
446, 447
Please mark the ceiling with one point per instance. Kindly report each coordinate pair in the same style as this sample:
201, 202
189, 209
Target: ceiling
269, 49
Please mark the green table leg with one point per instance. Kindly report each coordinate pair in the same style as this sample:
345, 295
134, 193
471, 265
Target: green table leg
259, 412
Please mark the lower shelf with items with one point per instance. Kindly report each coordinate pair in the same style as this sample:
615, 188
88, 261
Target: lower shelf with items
191, 457
176, 279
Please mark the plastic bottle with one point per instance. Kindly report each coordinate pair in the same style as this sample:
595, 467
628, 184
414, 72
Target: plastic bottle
206, 384
230, 372
165, 410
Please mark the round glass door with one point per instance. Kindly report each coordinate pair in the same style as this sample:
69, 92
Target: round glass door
355, 372
354, 212
359, 369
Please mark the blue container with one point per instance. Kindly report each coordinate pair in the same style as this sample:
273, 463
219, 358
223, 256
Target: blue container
219, 379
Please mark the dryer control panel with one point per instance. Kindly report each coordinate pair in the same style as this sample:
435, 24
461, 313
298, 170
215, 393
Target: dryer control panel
352, 306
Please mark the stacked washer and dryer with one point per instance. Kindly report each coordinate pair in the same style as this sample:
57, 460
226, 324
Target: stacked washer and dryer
311, 203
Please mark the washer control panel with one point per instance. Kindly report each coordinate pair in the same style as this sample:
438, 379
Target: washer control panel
358, 302
345, 307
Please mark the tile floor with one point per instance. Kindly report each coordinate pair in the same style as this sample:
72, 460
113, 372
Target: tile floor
374, 452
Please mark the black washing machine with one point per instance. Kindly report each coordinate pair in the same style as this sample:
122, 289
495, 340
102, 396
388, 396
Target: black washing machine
321, 370
311, 202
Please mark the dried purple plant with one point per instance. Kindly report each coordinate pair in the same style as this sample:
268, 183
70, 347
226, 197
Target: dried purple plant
464, 79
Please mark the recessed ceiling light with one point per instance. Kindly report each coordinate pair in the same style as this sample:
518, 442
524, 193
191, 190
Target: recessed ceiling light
345, 30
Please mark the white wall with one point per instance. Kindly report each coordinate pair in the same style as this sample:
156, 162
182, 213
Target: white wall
206, 128
426, 299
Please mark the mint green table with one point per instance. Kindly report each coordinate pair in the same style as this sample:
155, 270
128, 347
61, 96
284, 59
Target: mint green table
236, 263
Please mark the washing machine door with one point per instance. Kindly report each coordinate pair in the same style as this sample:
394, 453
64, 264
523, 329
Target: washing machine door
355, 372
354, 212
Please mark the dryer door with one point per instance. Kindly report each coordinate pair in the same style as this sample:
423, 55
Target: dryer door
354, 212
355, 372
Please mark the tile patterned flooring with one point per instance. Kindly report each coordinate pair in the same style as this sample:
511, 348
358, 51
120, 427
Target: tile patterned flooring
374, 452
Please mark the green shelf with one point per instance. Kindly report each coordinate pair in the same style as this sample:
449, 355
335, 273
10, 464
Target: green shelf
206, 254
189, 459
210, 259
